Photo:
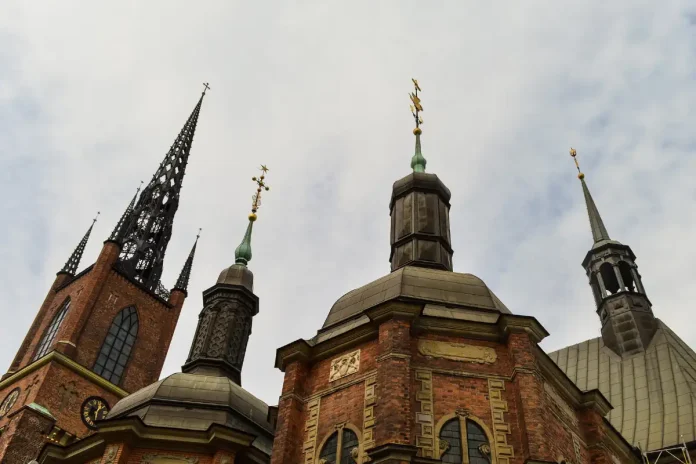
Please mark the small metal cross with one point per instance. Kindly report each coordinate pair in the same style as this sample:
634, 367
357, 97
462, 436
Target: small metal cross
206, 87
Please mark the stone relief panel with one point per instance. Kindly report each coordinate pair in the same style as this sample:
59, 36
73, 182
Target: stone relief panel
167, 459
457, 351
345, 365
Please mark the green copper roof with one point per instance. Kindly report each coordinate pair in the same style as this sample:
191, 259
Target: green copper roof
242, 255
418, 162
599, 232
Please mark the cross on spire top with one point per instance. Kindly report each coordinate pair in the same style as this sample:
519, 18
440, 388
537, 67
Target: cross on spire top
206, 87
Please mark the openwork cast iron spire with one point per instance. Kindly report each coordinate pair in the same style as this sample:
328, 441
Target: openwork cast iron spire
183, 280
599, 232
74, 261
149, 227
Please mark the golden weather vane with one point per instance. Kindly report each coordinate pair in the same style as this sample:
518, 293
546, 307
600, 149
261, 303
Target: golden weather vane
574, 154
416, 106
260, 186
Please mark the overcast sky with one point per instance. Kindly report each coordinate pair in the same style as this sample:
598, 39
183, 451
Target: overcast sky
92, 96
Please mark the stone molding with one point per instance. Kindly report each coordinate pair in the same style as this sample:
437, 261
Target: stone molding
167, 459
368, 439
501, 429
425, 435
311, 426
457, 351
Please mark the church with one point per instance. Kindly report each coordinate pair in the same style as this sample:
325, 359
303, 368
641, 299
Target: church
423, 365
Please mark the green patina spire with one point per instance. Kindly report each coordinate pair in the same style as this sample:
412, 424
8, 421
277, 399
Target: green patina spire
418, 162
242, 255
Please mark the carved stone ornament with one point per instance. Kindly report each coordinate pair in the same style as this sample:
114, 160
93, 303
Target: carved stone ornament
457, 351
463, 412
485, 449
444, 446
166, 459
110, 454
354, 453
345, 365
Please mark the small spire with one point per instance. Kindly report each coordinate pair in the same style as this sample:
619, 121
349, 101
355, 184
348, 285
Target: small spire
242, 255
74, 261
418, 162
183, 280
599, 232
121, 224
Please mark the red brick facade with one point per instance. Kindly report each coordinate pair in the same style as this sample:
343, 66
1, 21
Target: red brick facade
63, 379
529, 410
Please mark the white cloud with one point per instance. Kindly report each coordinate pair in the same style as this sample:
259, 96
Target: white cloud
92, 96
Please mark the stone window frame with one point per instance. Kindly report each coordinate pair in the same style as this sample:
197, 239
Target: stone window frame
49, 335
464, 416
339, 444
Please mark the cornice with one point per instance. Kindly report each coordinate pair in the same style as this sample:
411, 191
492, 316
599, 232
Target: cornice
63, 360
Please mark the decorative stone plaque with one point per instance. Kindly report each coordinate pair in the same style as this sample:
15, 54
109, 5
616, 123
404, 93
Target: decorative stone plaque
345, 365
457, 351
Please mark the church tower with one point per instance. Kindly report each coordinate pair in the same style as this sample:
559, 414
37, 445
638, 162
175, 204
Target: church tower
427, 365
628, 323
103, 332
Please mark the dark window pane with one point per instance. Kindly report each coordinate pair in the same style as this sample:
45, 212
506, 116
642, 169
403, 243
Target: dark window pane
329, 450
350, 441
451, 435
479, 448
50, 333
117, 345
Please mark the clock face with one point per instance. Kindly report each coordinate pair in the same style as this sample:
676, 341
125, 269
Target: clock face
93, 409
8, 402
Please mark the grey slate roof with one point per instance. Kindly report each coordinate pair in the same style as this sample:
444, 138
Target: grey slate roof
653, 393
427, 285
195, 402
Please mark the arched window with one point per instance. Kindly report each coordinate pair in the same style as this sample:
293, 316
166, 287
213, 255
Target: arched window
52, 330
117, 346
463, 441
340, 448
626, 276
611, 283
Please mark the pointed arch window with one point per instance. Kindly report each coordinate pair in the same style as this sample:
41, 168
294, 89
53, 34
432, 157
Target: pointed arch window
342, 447
50, 334
117, 346
463, 441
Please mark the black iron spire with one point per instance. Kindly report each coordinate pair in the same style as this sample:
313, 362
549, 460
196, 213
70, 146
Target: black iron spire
74, 260
116, 234
148, 229
183, 280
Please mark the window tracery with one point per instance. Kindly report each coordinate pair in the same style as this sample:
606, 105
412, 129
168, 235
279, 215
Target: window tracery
341, 447
50, 334
118, 344
462, 439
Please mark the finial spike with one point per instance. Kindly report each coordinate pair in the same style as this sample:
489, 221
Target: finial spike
242, 255
599, 231
418, 162
183, 280
74, 261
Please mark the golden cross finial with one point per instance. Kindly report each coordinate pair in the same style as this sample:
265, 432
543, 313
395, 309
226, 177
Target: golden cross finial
206, 87
574, 154
260, 186
416, 106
